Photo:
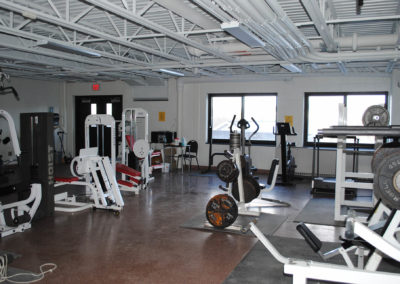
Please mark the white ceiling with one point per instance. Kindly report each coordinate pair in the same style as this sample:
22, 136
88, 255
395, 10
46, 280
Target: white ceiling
136, 38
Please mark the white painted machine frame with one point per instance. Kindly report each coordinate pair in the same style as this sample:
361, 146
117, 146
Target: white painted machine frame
131, 115
29, 205
86, 166
13, 132
387, 245
107, 121
343, 178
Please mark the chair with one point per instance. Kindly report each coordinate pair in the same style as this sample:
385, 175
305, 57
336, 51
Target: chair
191, 153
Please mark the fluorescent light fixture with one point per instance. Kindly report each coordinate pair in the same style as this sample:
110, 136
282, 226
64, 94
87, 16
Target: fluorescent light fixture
170, 72
291, 67
242, 33
67, 48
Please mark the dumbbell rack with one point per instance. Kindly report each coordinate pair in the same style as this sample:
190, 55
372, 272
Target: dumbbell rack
343, 178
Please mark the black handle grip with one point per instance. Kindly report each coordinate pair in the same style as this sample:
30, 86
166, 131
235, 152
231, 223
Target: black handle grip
233, 121
309, 236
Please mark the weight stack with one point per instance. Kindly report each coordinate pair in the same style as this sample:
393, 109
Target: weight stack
37, 146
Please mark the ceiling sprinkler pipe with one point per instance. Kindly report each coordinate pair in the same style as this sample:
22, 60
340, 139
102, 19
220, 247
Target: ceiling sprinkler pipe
243, 18
273, 4
261, 7
318, 57
280, 30
275, 39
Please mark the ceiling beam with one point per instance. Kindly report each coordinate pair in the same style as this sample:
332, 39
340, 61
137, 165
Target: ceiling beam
190, 14
153, 26
89, 31
316, 16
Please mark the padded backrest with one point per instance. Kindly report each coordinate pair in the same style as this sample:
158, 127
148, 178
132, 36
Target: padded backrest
272, 169
194, 146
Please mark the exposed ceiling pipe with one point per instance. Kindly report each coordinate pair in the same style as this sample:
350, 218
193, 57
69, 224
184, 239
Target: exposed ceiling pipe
289, 24
283, 39
264, 9
315, 13
382, 55
273, 46
344, 42
267, 29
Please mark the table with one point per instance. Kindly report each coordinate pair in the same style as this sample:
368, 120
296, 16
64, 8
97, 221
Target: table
182, 150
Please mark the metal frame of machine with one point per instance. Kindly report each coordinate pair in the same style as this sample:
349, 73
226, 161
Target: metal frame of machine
97, 175
387, 244
343, 178
18, 208
131, 180
104, 120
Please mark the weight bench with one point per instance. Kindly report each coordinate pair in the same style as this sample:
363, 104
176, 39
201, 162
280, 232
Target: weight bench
132, 179
385, 244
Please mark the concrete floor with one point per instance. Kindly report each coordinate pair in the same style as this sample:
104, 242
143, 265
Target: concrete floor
146, 244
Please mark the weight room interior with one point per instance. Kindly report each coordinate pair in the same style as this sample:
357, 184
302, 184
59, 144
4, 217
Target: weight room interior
176, 59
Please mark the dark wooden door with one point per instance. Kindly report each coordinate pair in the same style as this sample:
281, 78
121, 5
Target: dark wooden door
99, 136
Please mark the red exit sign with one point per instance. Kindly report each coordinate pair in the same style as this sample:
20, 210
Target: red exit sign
96, 87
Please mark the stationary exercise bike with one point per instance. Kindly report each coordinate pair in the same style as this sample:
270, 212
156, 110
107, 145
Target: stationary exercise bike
283, 129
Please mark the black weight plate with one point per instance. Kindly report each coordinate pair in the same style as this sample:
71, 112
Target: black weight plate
251, 189
382, 152
387, 181
227, 171
221, 211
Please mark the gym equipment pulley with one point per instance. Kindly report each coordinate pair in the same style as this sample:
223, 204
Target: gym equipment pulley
221, 211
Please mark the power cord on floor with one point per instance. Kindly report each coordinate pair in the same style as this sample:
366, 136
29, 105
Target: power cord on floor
37, 277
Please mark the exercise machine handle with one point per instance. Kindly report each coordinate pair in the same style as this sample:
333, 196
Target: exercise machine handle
228, 154
311, 239
258, 127
233, 121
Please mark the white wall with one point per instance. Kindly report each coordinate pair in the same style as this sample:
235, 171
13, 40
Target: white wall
290, 102
129, 93
35, 96
186, 108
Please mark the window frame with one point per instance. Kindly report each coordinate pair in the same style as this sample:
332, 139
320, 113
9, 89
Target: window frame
241, 95
345, 95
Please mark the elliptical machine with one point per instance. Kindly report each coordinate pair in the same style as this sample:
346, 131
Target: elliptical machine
222, 210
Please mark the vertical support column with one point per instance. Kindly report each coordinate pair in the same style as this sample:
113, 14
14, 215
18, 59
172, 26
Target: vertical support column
340, 175
179, 89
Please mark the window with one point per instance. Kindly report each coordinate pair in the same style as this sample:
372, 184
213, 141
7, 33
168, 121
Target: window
322, 111
222, 108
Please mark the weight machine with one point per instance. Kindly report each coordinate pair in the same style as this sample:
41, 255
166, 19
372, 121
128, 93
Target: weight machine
136, 152
97, 175
16, 216
7, 90
361, 239
352, 180
100, 121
